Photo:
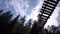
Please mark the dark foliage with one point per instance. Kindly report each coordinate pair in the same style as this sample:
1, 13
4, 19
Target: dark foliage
12, 27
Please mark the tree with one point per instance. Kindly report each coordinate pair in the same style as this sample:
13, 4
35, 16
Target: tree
12, 27
22, 20
4, 21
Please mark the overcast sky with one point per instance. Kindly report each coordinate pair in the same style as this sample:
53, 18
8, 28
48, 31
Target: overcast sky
29, 8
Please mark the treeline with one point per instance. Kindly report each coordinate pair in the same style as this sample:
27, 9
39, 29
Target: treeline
15, 26
50, 30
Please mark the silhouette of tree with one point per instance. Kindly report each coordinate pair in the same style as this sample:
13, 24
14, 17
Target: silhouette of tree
12, 27
22, 20
4, 21
29, 23
1, 11
8, 26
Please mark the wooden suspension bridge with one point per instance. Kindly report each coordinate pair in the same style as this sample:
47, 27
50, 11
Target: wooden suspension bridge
45, 13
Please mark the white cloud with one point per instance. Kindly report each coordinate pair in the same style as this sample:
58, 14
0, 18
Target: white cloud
20, 6
35, 11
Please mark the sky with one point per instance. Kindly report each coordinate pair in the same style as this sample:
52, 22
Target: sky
29, 8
